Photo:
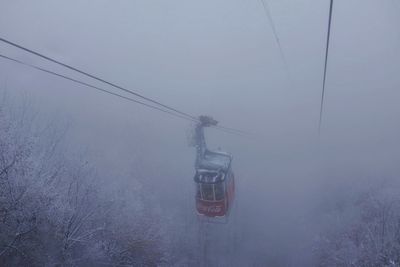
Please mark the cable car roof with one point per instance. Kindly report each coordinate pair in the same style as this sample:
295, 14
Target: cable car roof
215, 161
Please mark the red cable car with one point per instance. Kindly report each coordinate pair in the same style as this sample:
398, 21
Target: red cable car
215, 192
215, 184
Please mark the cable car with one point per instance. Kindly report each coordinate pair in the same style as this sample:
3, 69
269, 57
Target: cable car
214, 178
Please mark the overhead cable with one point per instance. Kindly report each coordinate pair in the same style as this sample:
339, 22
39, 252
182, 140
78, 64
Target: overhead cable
221, 128
184, 114
321, 110
278, 41
95, 77
94, 87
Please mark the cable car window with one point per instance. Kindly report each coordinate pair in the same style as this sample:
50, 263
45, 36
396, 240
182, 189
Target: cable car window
208, 192
198, 191
219, 191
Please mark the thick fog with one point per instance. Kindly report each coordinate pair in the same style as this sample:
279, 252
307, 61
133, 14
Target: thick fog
220, 58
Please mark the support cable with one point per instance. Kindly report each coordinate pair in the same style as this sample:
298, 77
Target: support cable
95, 77
171, 109
94, 87
192, 118
321, 111
278, 41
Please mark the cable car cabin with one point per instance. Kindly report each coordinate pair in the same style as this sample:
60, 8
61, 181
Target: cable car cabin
215, 184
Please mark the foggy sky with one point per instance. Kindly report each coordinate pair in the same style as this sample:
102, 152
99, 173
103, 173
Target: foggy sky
220, 58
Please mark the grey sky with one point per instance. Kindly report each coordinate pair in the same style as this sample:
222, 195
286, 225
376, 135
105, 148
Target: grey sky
220, 57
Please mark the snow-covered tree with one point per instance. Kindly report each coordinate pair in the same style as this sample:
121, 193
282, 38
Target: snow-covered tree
371, 239
53, 210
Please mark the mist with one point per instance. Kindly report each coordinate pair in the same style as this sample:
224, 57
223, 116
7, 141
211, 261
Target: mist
296, 190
